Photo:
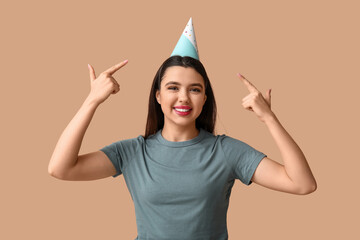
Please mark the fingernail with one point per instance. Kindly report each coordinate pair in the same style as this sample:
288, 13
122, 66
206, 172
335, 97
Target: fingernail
240, 75
89, 66
126, 61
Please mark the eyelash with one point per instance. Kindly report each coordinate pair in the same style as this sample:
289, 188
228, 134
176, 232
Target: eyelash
197, 90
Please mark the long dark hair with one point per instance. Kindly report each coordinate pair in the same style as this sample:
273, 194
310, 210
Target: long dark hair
155, 119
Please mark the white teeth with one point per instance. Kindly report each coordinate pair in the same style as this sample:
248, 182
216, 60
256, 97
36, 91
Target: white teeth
182, 110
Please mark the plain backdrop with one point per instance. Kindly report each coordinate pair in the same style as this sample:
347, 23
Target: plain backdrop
306, 51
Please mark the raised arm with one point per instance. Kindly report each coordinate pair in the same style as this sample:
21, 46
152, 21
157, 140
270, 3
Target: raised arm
65, 155
295, 175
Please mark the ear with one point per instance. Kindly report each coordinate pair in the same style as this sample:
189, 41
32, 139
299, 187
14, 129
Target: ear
157, 94
205, 99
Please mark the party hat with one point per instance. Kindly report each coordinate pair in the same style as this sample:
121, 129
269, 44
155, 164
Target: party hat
186, 46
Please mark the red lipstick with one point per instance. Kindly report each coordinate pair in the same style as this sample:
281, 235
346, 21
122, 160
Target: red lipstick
185, 110
183, 107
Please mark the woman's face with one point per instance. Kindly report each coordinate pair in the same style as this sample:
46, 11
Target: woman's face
181, 95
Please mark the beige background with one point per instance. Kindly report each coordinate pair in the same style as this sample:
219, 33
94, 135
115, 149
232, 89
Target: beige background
306, 51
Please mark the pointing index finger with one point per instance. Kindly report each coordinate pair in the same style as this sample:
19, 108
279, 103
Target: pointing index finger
248, 84
116, 67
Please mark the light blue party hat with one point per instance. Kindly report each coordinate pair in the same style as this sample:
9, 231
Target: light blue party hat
186, 46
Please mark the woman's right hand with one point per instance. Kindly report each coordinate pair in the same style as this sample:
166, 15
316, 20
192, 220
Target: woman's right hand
104, 84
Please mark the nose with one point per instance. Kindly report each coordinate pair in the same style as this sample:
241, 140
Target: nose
183, 96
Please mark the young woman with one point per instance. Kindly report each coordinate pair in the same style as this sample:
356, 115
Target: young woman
180, 174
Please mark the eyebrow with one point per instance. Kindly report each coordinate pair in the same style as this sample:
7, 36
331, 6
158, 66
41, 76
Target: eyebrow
177, 83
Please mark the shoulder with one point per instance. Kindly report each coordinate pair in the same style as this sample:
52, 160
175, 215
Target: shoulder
127, 143
222, 139
236, 147
224, 143
228, 141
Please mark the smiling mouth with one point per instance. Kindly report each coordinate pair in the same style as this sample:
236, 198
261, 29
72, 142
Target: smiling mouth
182, 112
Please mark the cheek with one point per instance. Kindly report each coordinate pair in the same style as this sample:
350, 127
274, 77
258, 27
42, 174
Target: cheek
199, 101
170, 98
167, 100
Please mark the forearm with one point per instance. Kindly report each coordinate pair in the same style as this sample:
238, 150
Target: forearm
295, 162
68, 146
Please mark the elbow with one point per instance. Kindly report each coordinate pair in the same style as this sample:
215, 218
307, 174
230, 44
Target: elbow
54, 174
308, 190
50, 171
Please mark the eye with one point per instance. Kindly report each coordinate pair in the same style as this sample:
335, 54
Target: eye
176, 88
172, 88
196, 90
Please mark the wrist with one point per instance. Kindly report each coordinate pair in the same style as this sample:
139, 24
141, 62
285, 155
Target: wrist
271, 118
89, 102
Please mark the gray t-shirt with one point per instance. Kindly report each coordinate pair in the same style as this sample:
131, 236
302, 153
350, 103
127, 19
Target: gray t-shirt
181, 190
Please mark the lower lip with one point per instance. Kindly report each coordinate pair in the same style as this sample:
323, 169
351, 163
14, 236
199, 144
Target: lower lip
183, 113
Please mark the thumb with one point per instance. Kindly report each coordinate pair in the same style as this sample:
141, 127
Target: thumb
92, 73
268, 97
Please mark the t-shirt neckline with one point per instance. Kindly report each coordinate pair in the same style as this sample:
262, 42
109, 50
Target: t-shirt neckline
192, 141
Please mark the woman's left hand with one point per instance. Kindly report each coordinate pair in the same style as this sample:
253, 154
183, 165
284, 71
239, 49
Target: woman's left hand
256, 102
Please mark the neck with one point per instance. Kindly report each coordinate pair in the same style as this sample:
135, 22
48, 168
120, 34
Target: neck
179, 133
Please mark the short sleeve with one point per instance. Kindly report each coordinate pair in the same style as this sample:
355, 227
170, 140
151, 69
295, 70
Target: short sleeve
242, 158
121, 152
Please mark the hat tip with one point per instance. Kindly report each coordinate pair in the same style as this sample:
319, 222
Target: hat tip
186, 45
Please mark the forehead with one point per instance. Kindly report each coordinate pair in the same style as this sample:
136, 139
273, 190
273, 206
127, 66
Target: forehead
182, 75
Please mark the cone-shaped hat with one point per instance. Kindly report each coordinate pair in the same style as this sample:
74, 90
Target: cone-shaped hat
186, 46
